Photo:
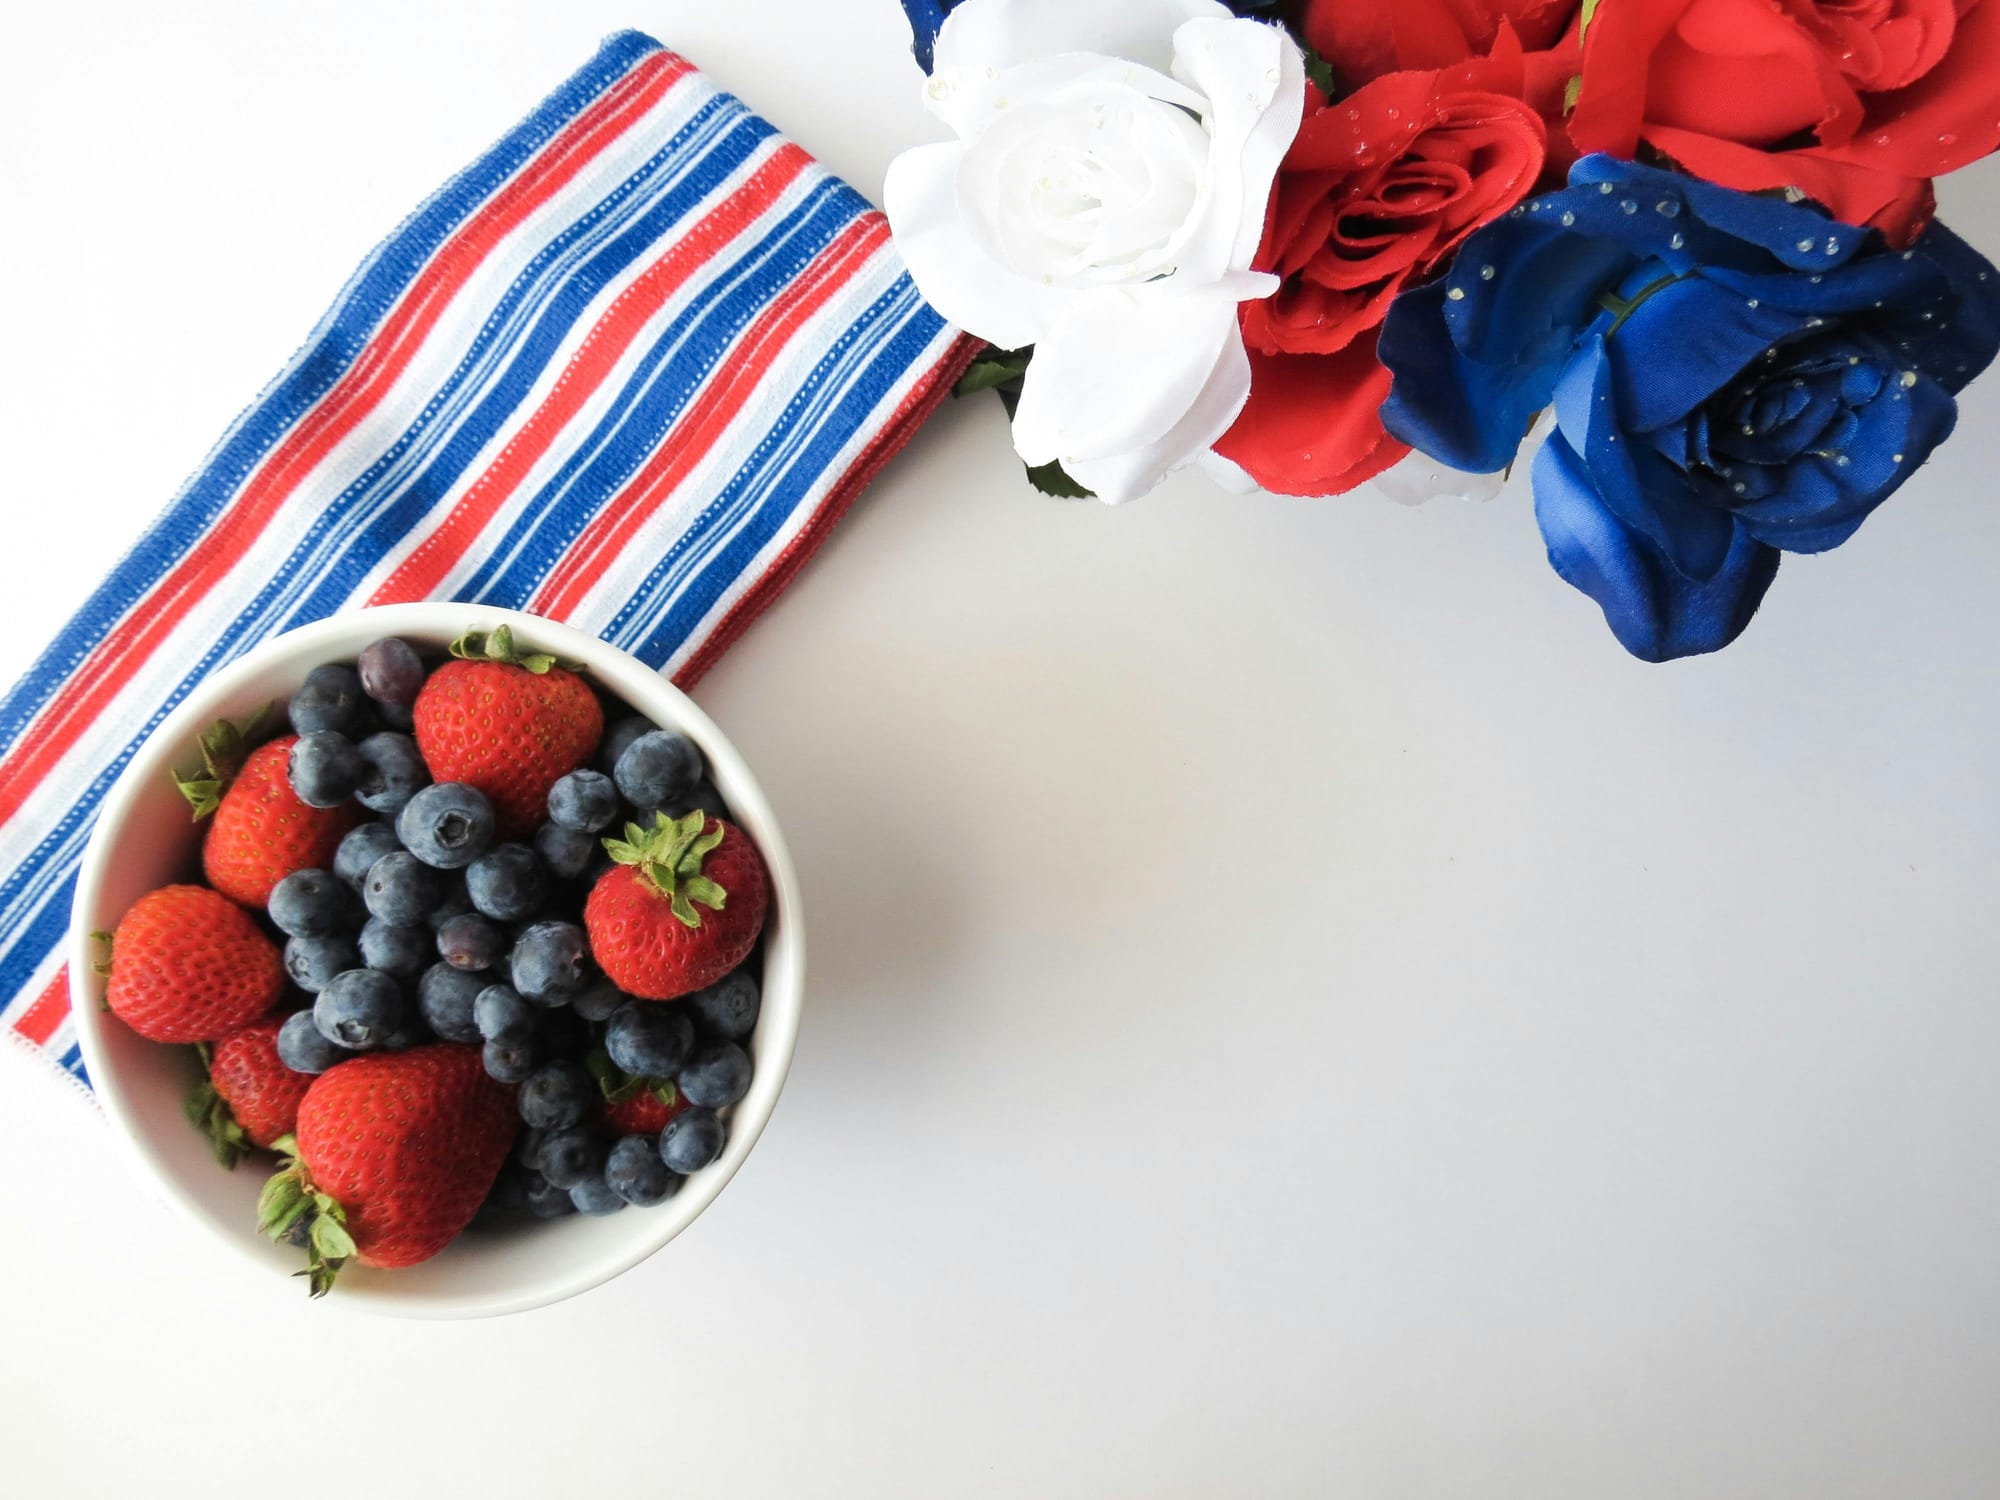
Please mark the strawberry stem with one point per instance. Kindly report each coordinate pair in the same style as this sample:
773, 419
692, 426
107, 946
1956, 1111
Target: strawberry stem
209, 1113
498, 645
224, 748
286, 1200
669, 855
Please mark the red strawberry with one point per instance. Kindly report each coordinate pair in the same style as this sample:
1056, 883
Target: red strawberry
646, 1110
261, 832
188, 965
645, 931
249, 1098
394, 1153
510, 725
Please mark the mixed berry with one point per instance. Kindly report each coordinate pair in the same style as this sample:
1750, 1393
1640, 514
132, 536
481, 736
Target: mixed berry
469, 946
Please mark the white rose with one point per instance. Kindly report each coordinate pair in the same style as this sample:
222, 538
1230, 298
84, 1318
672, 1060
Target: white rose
1102, 202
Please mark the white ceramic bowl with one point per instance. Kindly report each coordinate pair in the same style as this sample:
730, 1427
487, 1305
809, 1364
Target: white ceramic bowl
144, 840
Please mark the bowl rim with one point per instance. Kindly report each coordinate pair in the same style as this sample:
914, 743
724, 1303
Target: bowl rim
620, 672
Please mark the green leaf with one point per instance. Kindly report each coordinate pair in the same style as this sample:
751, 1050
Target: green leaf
286, 1145
538, 663
283, 1200
991, 372
707, 892
684, 909
282, 1225
500, 644
1052, 479
331, 1239
597, 1062
1585, 17
1572, 91
664, 1090
1319, 73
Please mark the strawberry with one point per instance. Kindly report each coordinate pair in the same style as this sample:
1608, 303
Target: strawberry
248, 1097
393, 1155
508, 724
632, 1106
645, 930
188, 965
262, 832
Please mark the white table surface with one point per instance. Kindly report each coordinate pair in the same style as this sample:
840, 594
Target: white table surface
1295, 1011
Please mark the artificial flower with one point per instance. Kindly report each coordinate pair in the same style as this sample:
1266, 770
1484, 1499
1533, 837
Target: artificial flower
1733, 376
1102, 202
926, 19
1363, 39
1857, 103
1377, 192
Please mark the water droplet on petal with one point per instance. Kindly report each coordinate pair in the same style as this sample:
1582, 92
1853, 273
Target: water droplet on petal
1667, 206
1568, 218
1678, 240
1805, 244
1604, 188
1832, 246
1486, 273
1753, 302
1456, 294
1393, 113
1354, 114
1895, 458
1815, 322
1907, 379
1883, 139
1740, 487
1748, 430
1627, 205
1947, 139
1843, 460
1815, 280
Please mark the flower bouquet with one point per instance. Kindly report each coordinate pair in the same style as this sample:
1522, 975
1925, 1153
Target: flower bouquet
1684, 246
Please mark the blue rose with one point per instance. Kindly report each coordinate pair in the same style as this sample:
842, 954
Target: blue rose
927, 16
1732, 376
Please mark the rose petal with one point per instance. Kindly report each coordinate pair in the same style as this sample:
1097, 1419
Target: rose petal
1126, 476
1251, 130
1117, 372
958, 277
983, 34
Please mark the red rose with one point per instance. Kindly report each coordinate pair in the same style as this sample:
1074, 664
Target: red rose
1377, 192
1364, 41
1858, 103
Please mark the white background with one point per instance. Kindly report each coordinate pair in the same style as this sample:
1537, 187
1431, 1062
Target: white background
1295, 1010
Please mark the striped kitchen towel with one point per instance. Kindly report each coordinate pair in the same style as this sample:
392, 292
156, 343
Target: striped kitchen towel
626, 370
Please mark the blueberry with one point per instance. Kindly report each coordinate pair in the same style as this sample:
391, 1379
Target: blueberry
595, 1196
301, 1047
502, 1016
564, 850
551, 961
454, 903
728, 1008
507, 884
358, 852
584, 801
312, 961
329, 699
324, 768
546, 1200
618, 738
359, 1008
657, 767
508, 1197
597, 1000
528, 1146
556, 1096
716, 1076
509, 1062
391, 672
412, 1033
400, 889
635, 1172
648, 1038
563, 1033
472, 942
692, 1139
392, 772
569, 1156
446, 997
447, 826
403, 951
704, 796
309, 903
